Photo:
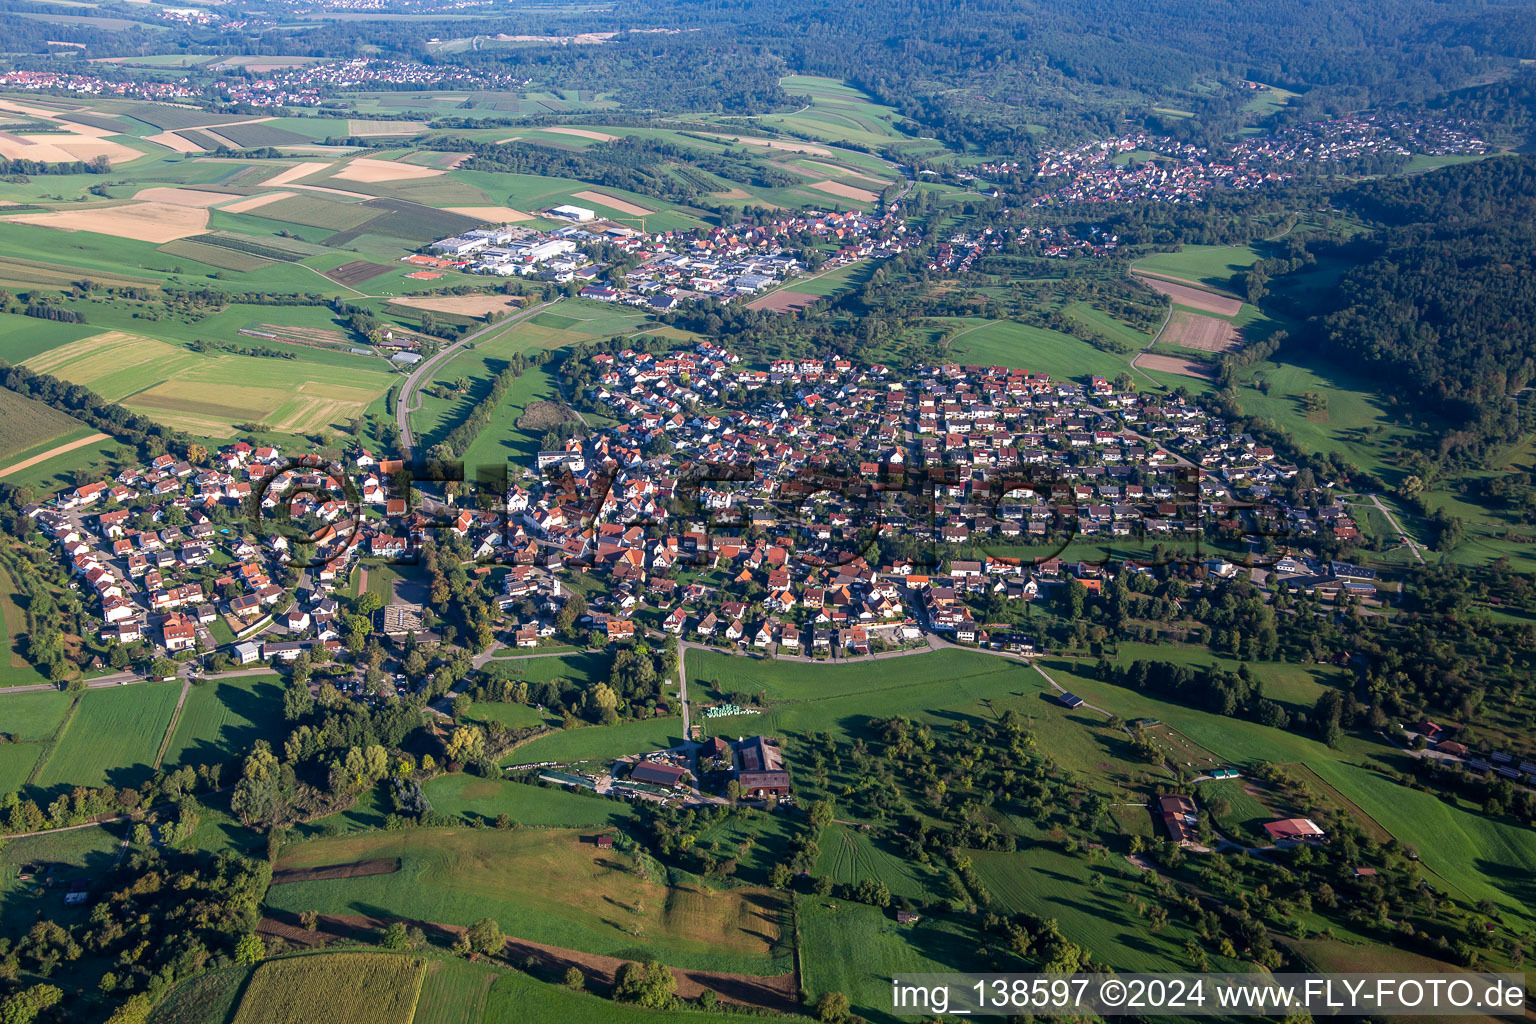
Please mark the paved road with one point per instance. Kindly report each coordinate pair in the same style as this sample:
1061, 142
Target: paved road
128, 678
425, 369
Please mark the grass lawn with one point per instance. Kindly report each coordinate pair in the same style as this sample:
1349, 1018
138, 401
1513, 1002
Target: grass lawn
596, 901
856, 949
472, 797
516, 997
601, 743
112, 738
222, 718
1036, 349
1044, 881
849, 855
79, 853
1211, 265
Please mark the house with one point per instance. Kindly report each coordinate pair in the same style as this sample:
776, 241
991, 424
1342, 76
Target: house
620, 629
658, 774
760, 768
1177, 812
178, 632
603, 842
247, 652
1294, 830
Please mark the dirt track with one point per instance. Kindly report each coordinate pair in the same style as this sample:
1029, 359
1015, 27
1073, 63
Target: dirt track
50, 453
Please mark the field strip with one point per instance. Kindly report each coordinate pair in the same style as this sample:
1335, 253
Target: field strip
53, 742
50, 453
170, 729
1198, 285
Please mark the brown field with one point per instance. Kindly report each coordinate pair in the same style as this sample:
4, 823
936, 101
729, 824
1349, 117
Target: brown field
784, 301
367, 169
181, 196
1194, 298
256, 202
835, 169
1204, 333
733, 193
297, 171
172, 141
144, 222
423, 275
583, 133
356, 869
1171, 364
81, 141
612, 202
837, 188
490, 214
464, 305
788, 147
356, 272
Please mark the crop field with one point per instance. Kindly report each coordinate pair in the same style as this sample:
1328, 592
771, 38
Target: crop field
203, 999
1193, 297
785, 301
213, 255
472, 797
333, 988
26, 423
149, 221
222, 718
314, 211
256, 135
598, 901
207, 395
113, 737
355, 273
463, 305
453, 992
1202, 333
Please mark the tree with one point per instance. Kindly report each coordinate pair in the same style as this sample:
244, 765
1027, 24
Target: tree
821, 813
465, 744
249, 949
308, 919
574, 979
395, 936
650, 984
485, 936
832, 1007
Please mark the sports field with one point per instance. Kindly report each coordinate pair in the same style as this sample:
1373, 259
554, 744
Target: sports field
599, 901
207, 394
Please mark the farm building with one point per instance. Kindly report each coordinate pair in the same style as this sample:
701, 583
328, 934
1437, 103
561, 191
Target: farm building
1225, 773
1293, 829
1178, 816
760, 768
1070, 700
580, 214
669, 775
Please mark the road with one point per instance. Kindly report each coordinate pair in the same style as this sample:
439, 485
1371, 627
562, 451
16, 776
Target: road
425, 369
128, 678
1392, 520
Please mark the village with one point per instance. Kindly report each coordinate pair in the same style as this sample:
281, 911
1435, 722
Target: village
724, 263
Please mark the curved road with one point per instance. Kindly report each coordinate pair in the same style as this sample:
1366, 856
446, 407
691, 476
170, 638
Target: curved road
425, 369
